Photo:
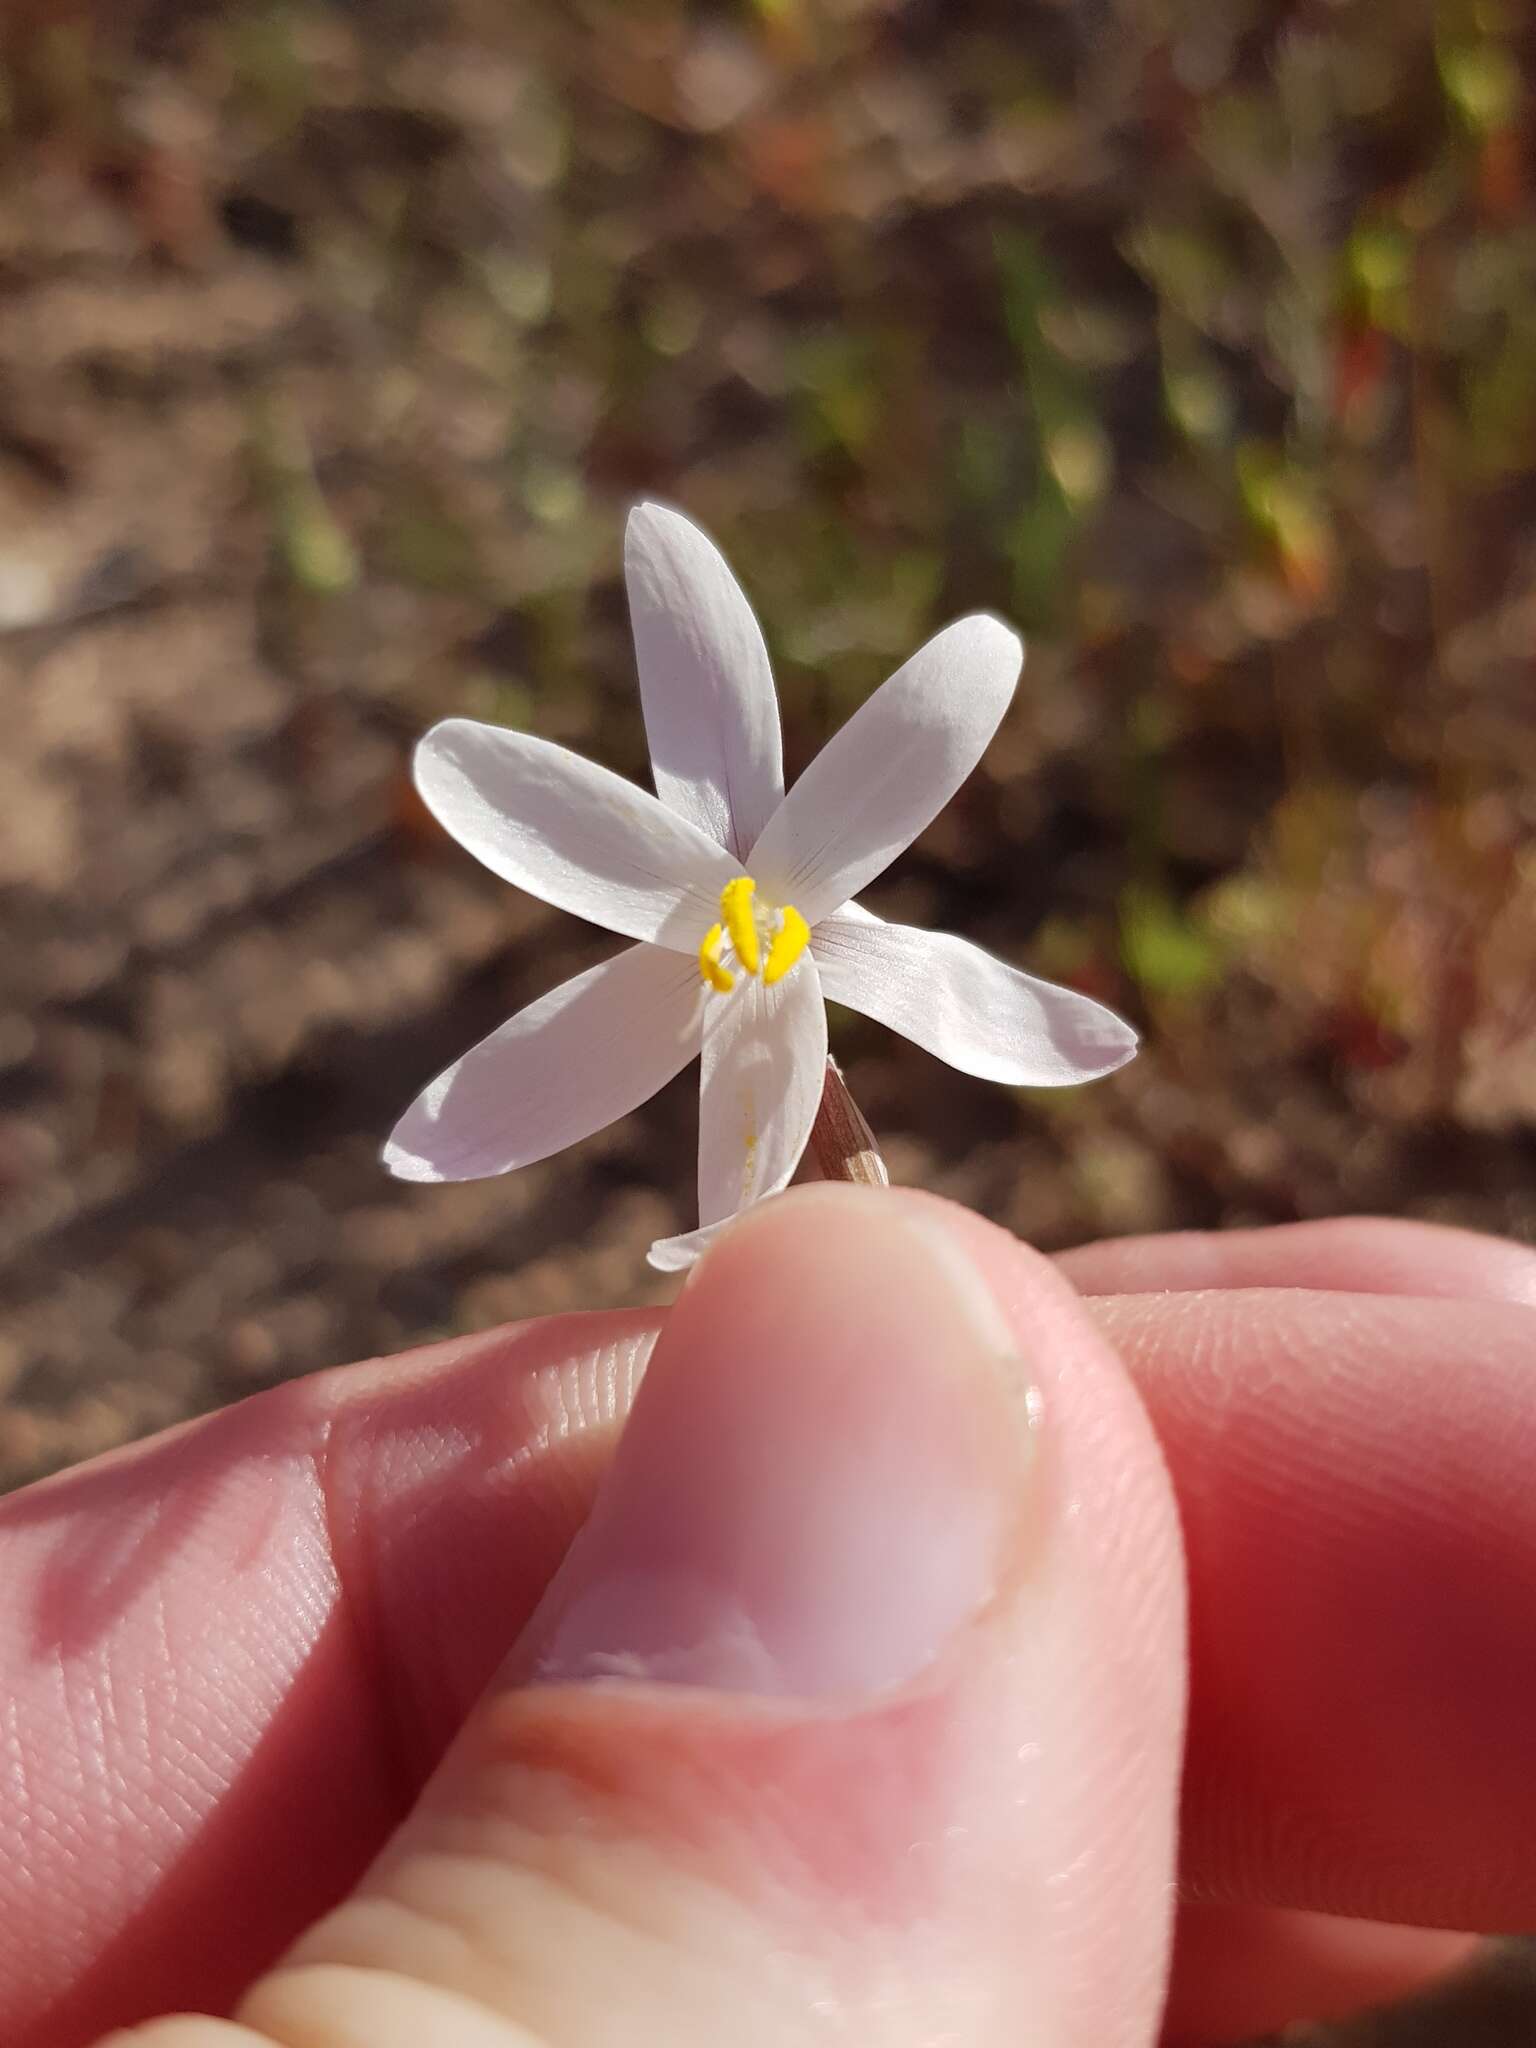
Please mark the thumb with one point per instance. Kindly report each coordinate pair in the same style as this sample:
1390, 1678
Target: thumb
853, 1713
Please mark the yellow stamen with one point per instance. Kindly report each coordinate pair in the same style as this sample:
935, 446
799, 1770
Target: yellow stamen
736, 909
789, 942
719, 978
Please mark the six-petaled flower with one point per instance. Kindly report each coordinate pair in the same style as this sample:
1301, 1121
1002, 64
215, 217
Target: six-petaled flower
740, 898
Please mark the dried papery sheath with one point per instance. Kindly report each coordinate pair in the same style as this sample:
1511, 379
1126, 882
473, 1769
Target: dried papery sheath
842, 1144
739, 898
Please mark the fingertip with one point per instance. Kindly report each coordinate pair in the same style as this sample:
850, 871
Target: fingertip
866, 1661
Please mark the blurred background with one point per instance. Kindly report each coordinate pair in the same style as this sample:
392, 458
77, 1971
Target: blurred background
335, 340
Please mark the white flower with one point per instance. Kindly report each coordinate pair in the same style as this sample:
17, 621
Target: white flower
740, 896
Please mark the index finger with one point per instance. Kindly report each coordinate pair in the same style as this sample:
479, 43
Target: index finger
233, 1654
1354, 1479
1339, 1254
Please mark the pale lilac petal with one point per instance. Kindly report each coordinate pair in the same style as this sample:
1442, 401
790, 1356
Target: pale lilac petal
578, 1058
572, 833
711, 714
765, 1059
957, 1002
890, 770
677, 1254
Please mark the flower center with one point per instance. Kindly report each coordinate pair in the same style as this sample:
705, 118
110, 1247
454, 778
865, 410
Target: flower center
762, 938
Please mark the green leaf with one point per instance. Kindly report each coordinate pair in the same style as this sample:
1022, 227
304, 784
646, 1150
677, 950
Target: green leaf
1164, 950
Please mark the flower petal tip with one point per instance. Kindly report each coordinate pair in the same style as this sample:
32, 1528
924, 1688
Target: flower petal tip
437, 741
669, 1255
677, 1254
1109, 1046
662, 1259
997, 636
406, 1165
651, 512
1126, 1052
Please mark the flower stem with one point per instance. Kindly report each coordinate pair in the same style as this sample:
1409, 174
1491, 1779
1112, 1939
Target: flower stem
841, 1140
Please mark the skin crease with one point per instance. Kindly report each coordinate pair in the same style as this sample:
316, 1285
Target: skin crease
195, 1631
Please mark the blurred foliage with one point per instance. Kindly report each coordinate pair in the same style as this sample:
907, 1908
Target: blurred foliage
335, 339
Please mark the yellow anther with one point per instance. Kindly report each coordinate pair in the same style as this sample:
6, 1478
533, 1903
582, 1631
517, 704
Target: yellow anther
763, 939
719, 978
736, 909
789, 942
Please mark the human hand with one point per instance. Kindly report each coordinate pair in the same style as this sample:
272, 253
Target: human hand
857, 1711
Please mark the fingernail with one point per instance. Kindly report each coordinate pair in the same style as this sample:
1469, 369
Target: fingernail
822, 1472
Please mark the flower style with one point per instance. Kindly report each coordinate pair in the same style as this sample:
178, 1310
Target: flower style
740, 897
